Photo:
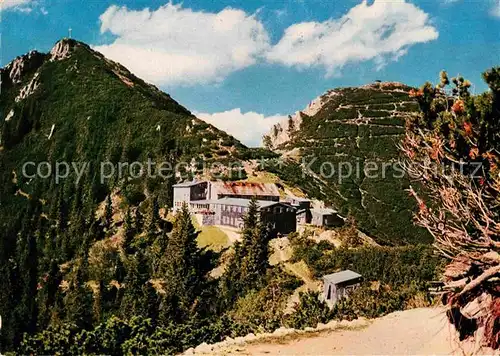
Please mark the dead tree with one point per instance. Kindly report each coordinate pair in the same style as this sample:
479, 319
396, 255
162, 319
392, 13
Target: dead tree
451, 152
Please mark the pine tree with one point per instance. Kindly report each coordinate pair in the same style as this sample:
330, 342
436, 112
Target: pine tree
139, 221
250, 261
29, 270
180, 268
6, 304
7, 294
79, 223
150, 301
47, 295
154, 217
255, 249
96, 232
108, 214
129, 233
62, 213
78, 300
157, 252
97, 303
50, 245
138, 273
6, 139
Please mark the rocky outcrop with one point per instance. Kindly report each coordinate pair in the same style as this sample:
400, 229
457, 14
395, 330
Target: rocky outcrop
29, 88
282, 132
10, 115
14, 72
62, 50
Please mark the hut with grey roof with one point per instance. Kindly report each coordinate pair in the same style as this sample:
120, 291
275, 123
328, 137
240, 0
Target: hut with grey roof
326, 217
337, 286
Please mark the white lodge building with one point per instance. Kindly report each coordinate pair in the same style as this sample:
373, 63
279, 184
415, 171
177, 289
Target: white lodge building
225, 203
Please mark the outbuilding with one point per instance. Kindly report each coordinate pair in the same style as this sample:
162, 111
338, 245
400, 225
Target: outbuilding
326, 218
337, 286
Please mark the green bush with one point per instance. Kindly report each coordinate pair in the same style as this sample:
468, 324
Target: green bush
371, 302
133, 194
309, 312
394, 266
263, 310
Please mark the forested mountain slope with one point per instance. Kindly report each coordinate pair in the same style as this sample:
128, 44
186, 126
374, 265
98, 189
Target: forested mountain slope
349, 138
74, 106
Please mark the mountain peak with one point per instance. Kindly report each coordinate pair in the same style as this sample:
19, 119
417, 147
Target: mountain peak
64, 48
386, 86
335, 102
22, 65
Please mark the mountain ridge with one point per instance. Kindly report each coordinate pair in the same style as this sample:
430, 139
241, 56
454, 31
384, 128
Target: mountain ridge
73, 106
343, 132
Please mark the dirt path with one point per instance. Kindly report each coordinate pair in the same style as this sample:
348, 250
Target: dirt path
281, 253
421, 331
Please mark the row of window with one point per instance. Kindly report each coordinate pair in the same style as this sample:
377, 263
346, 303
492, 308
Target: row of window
278, 210
236, 209
227, 220
240, 209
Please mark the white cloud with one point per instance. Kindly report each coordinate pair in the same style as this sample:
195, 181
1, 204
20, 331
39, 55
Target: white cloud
25, 10
247, 127
382, 31
175, 45
22, 6
495, 10
15, 5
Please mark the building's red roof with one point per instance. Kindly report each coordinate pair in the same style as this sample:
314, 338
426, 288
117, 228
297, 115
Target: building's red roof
246, 189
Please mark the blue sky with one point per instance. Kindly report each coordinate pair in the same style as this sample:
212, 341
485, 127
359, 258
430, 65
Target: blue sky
245, 64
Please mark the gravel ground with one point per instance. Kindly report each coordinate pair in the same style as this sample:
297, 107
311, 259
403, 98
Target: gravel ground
422, 331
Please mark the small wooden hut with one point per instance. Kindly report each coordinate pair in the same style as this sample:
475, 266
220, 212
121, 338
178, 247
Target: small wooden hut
339, 285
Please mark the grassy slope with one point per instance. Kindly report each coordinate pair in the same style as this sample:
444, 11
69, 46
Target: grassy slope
213, 238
